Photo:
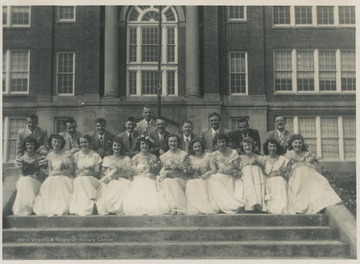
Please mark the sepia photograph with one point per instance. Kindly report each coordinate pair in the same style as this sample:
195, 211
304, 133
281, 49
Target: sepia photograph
179, 132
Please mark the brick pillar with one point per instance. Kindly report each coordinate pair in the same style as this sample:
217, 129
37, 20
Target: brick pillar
111, 53
192, 53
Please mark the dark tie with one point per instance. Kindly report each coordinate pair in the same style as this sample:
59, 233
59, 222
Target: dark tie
187, 143
102, 141
130, 140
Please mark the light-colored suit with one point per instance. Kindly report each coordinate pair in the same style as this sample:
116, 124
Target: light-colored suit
39, 134
273, 134
142, 128
70, 142
129, 150
102, 150
207, 137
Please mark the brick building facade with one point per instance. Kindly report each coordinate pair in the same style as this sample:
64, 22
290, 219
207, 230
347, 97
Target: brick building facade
242, 61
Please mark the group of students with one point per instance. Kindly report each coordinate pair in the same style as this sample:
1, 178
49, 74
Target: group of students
170, 180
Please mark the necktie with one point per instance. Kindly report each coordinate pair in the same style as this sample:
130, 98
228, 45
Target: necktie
147, 128
71, 142
102, 141
187, 143
130, 140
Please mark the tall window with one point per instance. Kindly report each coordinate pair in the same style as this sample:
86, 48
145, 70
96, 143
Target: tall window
238, 73
65, 75
66, 13
347, 15
325, 15
143, 50
333, 138
303, 15
237, 13
314, 71
16, 65
281, 15
59, 124
16, 16
11, 126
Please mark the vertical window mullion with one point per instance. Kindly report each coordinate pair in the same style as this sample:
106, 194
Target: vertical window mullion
296, 124
164, 88
6, 139
318, 136
292, 16
316, 71
336, 16
7, 84
294, 71
164, 44
341, 138
138, 82
314, 16
338, 71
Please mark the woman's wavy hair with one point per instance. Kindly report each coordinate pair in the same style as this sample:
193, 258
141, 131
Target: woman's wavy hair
279, 148
119, 141
172, 135
56, 136
191, 145
219, 137
146, 139
247, 140
30, 140
296, 137
88, 138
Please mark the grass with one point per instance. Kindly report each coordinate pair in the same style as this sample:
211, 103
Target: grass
344, 184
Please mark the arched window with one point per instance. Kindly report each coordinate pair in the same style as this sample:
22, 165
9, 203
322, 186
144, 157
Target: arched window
143, 50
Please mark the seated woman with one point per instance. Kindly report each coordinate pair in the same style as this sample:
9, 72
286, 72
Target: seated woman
56, 192
172, 179
196, 191
276, 197
87, 169
115, 180
225, 186
309, 192
31, 177
142, 197
252, 176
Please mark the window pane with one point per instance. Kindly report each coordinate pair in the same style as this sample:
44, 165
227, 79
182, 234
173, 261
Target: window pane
236, 12
307, 128
347, 15
349, 130
132, 45
305, 71
4, 70
19, 71
303, 15
238, 72
325, 15
348, 74
5, 13
290, 124
60, 124
171, 82
329, 137
150, 48
283, 71
65, 68
20, 15
132, 82
281, 15
15, 124
66, 13
171, 44
149, 82
327, 70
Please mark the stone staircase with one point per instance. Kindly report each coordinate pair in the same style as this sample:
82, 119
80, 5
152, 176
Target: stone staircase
171, 237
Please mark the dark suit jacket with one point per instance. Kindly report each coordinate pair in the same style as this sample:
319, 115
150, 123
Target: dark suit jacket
237, 138
129, 150
182, 144
39, 134
108, 139
207, 137
157, 145
284, 142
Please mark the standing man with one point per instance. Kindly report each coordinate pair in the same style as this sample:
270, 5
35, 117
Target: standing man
280, 133
32, 130
186, 135
160, 137
146, 125
245, 131
71, 136
101, 138
207, 135
129, 137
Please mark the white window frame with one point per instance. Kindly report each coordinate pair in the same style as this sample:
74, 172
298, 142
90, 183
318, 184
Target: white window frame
7, 66
246, 73
138, 66
65, 20
318, 135
9, 23
57, 73
314, 18
316, 73
244, 19
6, 139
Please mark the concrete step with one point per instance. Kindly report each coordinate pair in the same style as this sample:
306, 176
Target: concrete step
165, 220
169, 250
157, 234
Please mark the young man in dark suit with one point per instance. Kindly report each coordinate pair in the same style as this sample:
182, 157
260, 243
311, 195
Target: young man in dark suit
186, 135
129, 137
102, 138
245, 131
160, 137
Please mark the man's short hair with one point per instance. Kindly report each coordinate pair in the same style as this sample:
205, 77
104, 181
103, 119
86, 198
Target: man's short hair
70, 120
214, 114
161, 118
131, 119
100, 120
244, 120
278, 114
186, 122
32, 116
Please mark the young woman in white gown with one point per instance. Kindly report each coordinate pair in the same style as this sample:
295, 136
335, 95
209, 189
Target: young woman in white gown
253, 179
31, 177
309, 192
197, 191
172, 179
142, 197
276, 197
115, 181
55, 193
225, 185
87, 169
